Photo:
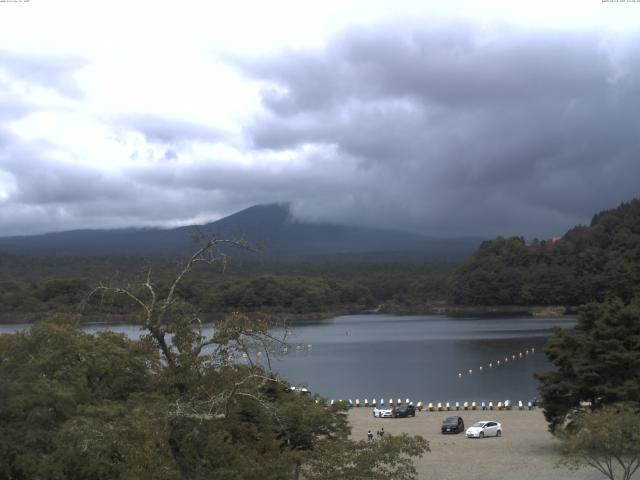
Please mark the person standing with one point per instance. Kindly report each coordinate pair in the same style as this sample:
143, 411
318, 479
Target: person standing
370, 435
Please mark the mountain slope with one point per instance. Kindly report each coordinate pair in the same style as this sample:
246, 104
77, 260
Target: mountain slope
270, 227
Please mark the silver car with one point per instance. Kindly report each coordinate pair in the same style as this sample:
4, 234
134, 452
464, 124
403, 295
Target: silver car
485, 428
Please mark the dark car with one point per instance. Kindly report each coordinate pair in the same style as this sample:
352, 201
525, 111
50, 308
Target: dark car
452, 425
406, 410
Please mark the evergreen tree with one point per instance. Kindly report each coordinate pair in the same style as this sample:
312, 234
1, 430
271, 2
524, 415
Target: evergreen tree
597, 361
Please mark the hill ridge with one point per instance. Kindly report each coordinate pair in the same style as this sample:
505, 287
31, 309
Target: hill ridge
271, 226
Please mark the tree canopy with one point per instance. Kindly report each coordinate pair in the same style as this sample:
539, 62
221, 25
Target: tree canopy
587, 264
597, 362
175, 404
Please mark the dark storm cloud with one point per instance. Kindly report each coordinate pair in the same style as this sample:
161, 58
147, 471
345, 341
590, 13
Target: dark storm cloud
169, 130
461, 130
448, 131
39, 192
52, 72
47, 194
39, 179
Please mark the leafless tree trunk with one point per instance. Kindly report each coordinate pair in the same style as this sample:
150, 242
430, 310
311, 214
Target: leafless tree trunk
234, 335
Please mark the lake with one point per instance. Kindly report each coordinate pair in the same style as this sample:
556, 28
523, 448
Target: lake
417, 356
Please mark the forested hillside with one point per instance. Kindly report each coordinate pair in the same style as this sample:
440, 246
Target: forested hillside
33, 287
272, 230
587, 264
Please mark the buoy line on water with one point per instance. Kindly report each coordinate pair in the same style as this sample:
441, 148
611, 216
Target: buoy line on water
513, 357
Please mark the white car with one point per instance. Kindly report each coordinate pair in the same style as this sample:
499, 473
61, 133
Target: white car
484, 428
384, 412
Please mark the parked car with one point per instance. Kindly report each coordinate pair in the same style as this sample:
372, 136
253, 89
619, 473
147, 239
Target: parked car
302, 390
384, 412
484, 428
406, 410
452, 425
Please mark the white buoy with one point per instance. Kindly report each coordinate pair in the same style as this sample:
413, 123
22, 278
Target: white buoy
309, 346
498, 363
470, 372
491, 365
533, 350
459, 375
259, 353
513, 357
520, 354
480, 367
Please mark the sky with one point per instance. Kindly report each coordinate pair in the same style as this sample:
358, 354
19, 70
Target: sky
466, 118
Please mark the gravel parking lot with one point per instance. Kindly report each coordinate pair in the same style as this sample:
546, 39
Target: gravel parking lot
526, 451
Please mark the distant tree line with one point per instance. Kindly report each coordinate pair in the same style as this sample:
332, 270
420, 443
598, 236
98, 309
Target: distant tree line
290, 289
588, 264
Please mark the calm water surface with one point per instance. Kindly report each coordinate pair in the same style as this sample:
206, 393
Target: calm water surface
419, 357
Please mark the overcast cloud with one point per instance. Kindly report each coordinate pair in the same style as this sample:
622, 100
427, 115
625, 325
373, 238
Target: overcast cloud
448, 127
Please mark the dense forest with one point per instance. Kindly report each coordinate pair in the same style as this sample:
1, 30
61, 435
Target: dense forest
589, 263
31, 287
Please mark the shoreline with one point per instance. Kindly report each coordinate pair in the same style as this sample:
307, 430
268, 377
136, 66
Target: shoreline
292, 318
481, 310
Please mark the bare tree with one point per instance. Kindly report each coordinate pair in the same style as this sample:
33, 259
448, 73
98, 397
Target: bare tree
177, 330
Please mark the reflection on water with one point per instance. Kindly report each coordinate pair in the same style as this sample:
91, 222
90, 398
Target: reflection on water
420, 357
